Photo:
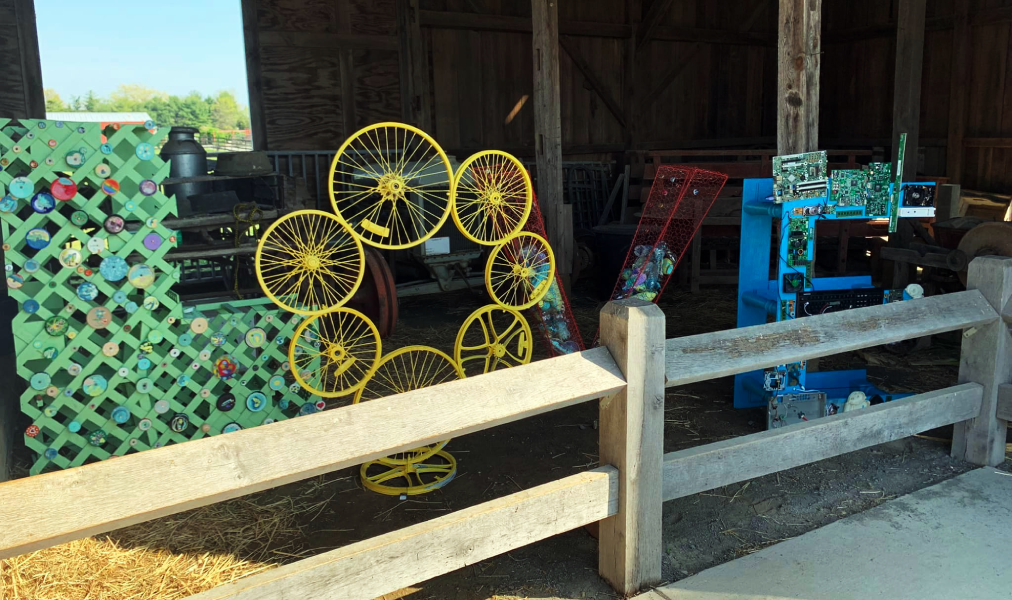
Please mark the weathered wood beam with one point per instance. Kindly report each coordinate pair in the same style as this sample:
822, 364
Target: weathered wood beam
730, 37
987, 142
31, 63
907, 82
702, 468
656, 13
309, 39
595, 81
254, 74
548, 129
416, 93
483, 22
631, 94
959, 91
798, 59
346, 57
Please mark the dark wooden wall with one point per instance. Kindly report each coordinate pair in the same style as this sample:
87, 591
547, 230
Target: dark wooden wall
635, 75
20, 70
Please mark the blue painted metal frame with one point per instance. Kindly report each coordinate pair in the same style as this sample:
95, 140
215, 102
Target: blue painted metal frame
759, 297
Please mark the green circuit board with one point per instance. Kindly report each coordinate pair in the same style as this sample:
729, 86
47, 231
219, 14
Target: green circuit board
878, 189
799, 176
799, 233
849, 187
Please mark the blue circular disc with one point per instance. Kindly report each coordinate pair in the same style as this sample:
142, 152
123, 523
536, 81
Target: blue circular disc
121, 414
74, 427
149, 124
50, 453
37, 238
185, 339
119, 297
8, 204
106, 148
143, 364
32, 266
131, 307
231, 427
87, 291
256, 401
307, 409
43, 203
113, 268
21, 187
144, 151
30, 306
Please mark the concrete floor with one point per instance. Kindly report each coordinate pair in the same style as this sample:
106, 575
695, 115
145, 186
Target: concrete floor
951, 540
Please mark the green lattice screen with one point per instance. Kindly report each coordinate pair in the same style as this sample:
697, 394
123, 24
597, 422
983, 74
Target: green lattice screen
147, 327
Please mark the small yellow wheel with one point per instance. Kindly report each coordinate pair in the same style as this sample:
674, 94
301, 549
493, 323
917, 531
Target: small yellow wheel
493, 338
332, 354
491, 197
309, 262
391, 184
520, 271
410, 479
403, 370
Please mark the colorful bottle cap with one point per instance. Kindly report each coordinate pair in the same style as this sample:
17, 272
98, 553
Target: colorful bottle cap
74, 369
152, 241
50, 353
256, 401
144, 424
113, 268
8, 204
149, 124
256, 337
99, 317
87, 291
105, 148
204, 355
32, 265
51, 453
179, 423
79, 218
74, 427
143, 364
182, 380
15, 281
30, 306
64, 188
225, 402
43, 203
71, 258
218, 339
75, 158
155, 337
119, 297
121, 414
110, 187
151, 303
277, 383
95, 385
141, 276
37, 238
103, 170
129, 206
198, 325
185, 339
148, 187
97, 245
114, 224
32, 431
226, 367
111, 349
97, 438
57, 325
40, 381
50, 411
144, 151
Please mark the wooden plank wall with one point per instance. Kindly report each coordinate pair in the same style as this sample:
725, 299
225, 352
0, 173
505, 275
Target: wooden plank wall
331, 66
20, 70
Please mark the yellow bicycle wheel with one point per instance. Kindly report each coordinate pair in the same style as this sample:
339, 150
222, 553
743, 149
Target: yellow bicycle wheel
391, 183
491, 197
308, 262
332, 354
493, 338
403, 370
520, 271
410, 479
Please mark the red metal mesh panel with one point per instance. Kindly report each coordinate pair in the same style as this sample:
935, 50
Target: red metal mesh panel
552, 315
679, 199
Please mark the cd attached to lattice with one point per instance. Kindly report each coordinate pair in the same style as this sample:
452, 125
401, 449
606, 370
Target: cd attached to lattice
491, 197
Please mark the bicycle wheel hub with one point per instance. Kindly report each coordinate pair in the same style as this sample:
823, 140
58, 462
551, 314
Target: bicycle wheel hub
311, 262
391, 187
497, 350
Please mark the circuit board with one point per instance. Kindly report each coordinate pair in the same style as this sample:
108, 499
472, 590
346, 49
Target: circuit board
799, 234
799, 176
877, 202
849, 187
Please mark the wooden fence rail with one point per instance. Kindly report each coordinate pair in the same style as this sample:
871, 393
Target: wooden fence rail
629, 374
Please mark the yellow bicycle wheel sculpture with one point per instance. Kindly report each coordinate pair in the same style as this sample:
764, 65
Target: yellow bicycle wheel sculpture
308, 262
391, 184
410, 479
491, 197
520, 271
403, 370
493, 338
333, 354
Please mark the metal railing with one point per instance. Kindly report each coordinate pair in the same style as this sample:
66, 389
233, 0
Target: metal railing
629, 375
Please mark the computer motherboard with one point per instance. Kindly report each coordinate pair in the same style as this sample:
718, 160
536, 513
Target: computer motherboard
868, 187
799, 176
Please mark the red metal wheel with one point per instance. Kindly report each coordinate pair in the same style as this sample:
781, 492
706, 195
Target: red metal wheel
376, 298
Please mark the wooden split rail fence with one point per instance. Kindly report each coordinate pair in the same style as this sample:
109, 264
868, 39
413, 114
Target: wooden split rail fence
625, 494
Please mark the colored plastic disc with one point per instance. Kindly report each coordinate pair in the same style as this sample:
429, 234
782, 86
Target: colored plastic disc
75, 158
30, 306
148, 187
105, 148
225, 402
110, 187
103, 170
57, 325
198, 325
40, 381
152, 241
231, 427
32, 266
141, 276
277, 383
162, 407
121, 414
37, 238
143, 364
79, 218
64, 188
97, 245
8, 204
114, 224
15, 281
70, 258
113, 268
256, 401
95, 385
110, 349
179, 423
256, 337
21, 187
87, 291
99, 317
144, 151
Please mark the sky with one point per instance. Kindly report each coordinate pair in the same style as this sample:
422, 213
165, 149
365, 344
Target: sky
176, 46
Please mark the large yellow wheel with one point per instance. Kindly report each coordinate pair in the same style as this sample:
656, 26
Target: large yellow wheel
410, 479
391, 183
309, 262
334, 353
493, 338
520, 271
403, 370
491, 197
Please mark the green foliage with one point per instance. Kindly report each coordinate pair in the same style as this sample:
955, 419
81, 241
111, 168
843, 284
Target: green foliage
221, 111
53, 101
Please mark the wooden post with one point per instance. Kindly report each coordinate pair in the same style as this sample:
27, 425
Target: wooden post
416, 101
798, 58
959, 89
632, 439
634, 10
254, 76
548, 129
986, 358
907, 82
21, 95
947, 202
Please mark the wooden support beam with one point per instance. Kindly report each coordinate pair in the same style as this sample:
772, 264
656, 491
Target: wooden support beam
390, 562
632, 96
548, 128
799, 56
702, 468
712, 355
656, 13
123, 492
254, 75
21, 93
595, 82
480, 22
1004, 411
959, 91
985, 357
416, 91
632, 439
907, 82
346, 57
309, 39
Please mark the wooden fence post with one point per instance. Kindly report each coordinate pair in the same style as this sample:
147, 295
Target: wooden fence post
986, 358
632, 439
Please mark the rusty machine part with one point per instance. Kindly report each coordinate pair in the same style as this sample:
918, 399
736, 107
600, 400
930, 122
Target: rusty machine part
376, 298
986, 239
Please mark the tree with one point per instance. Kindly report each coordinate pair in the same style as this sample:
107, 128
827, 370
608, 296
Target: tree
91, 102
132, 97
53, 101
227, 113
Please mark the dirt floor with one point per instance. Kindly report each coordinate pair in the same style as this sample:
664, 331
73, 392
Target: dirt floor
700, 531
